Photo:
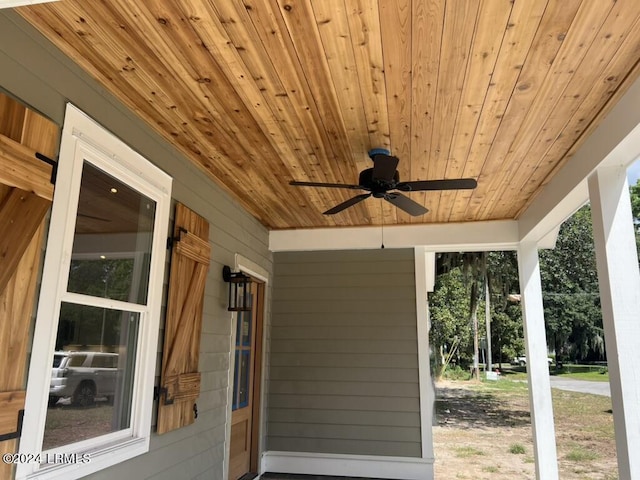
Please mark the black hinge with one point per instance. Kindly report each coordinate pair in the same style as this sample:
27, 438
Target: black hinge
159, 391
18, 432
195, 410
170, 240
54, 166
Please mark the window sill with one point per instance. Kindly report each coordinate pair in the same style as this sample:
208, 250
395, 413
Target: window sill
81, 464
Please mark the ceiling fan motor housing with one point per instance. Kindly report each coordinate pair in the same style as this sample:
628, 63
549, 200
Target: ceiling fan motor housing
377, 186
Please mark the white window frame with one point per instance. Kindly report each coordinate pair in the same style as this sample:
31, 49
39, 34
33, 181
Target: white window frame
83, 139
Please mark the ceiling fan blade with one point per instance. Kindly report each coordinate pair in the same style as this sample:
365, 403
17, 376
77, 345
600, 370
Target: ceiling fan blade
347, 204
405, 203
384, 167
453, 184
329, 185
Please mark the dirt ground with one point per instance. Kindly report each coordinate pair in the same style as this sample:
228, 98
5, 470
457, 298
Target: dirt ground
486, 434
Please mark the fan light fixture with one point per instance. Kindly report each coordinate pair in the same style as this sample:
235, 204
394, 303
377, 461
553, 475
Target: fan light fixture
239, 285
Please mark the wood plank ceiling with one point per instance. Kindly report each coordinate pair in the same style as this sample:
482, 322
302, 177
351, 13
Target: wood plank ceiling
262, 92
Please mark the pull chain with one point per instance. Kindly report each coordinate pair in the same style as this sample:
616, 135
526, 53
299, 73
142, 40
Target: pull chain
382, 226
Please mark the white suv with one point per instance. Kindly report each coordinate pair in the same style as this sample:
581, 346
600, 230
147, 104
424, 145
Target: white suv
83, 376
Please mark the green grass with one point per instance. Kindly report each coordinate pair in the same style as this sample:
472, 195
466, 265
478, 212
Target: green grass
466, 452
592, 373
517, 449
591, 376
581, 454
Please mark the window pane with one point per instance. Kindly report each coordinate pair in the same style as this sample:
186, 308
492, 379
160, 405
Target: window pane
234, 405
243, 393
112, 240
92, 376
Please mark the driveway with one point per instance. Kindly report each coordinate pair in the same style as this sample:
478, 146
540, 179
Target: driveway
582, 386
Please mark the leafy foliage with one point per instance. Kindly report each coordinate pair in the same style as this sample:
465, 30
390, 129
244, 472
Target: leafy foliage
570, 291
570, 295
451, 305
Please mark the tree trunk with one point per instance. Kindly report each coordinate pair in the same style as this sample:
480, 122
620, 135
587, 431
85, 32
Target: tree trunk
474, 322
487, 316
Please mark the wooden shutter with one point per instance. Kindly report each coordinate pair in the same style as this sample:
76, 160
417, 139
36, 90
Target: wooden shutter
26, 192
180, 381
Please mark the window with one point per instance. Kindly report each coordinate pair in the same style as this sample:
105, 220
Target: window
91, 376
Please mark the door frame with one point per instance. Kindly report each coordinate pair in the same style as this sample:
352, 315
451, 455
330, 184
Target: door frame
254, 270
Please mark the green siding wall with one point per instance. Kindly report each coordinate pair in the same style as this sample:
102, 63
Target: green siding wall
343, 365
32, 70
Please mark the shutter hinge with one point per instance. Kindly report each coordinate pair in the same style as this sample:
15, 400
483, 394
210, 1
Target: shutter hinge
54, 166
159, 391
170, 240
18, 432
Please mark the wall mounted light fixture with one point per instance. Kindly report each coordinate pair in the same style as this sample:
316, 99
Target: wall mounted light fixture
239, 285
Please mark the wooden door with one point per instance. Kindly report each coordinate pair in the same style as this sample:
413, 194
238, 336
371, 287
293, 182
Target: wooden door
243, 457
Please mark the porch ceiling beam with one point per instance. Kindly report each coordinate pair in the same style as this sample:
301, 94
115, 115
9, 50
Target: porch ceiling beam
615, 142
476, 236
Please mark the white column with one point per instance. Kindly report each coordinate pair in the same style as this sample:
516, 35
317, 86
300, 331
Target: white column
619, 282
544, 439
423, 261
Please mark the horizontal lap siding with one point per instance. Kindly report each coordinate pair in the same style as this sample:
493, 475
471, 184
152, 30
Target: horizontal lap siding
343, 365
41, 76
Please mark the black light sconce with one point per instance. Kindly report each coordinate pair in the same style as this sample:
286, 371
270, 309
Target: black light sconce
239, 285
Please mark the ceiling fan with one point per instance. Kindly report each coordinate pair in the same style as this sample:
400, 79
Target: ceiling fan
382, 178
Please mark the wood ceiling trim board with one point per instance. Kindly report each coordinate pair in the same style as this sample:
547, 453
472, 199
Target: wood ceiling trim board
306, 42
81, 52
223, 137
262, 130
521, 29
119, 86
231, 116
255, 71
531, 173
395, 30
225, 132
524, 59
596, 105
426, 46
274, 34
460, 20
493, 17
333, 27
580, 36
364, 28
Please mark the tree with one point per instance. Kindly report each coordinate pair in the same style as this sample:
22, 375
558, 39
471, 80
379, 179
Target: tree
460, 296
570, 291
449, 308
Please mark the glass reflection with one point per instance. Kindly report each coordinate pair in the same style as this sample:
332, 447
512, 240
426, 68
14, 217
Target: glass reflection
112, 239
92, 374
